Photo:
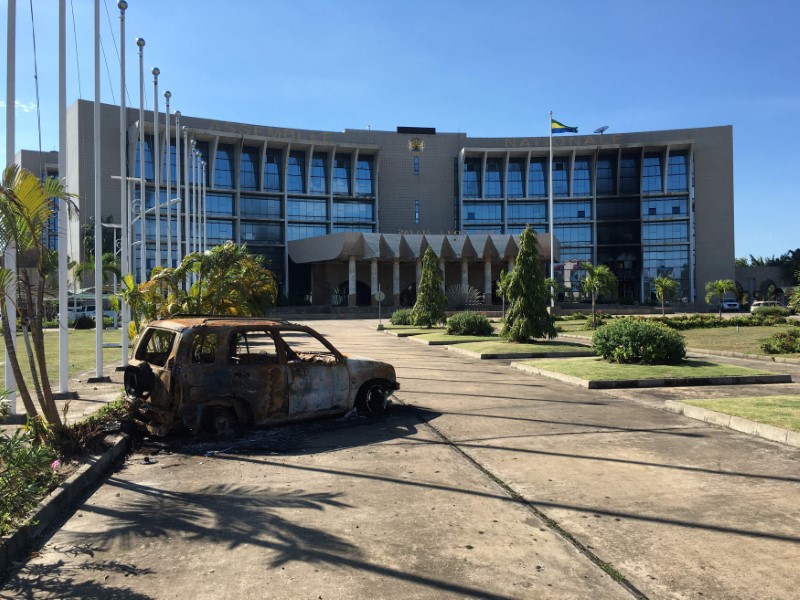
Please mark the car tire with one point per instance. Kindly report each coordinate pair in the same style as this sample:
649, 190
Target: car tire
220, 420
372, 398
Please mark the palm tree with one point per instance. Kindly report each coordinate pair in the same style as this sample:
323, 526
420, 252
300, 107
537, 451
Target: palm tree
718, 288
665, 289
598, 280
25, 207
110, 266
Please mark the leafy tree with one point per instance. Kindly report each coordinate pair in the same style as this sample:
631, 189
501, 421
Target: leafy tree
598, 280
528, 296
25, 208
741, 262
718, 288
429, 308
110, 266
794, 297
666, 287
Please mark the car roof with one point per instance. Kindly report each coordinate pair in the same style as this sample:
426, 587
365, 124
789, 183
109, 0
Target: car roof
181, 322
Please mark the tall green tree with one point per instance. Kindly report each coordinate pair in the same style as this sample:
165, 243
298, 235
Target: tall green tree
598, 280
110, 266
527, 317
717, 289
431, 301
25, 207
666, 287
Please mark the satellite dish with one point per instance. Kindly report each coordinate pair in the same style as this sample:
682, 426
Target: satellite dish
601, 130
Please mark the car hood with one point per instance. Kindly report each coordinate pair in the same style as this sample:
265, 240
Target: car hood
363, 368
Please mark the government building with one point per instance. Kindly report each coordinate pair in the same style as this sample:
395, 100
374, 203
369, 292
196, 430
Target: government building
340, 215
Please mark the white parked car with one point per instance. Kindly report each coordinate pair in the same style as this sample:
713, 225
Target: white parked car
729, 304
764, 304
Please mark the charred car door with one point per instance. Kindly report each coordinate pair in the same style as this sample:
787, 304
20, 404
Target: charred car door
258, 374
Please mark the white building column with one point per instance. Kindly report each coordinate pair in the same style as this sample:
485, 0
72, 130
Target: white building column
418, 271
396, 282
511, 262
444, 271
373, 281
351, 282
464, 273
487, 280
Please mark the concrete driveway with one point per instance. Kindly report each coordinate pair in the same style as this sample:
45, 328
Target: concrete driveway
485, 482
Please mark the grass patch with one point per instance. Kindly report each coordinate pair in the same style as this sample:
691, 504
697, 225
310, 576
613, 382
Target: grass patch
780, 411
596, 369
747, 339
506, 347
81, 353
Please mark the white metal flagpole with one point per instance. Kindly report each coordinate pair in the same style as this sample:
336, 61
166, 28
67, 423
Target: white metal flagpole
550, 207
168, 167
157, 165
178, 194
11, 251
142, 188
63, 214
123, 180
98, 217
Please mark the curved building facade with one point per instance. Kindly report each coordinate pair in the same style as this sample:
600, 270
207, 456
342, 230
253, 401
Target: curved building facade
646, 204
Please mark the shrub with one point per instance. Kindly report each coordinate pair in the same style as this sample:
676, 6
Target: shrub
696, 321
401, 316
771, 311
28, 470
83, 322
639, 341
599, 319
469, 323
785, 342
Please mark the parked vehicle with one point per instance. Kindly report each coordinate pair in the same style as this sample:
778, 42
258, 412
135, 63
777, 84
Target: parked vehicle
729, 304
214, 373
764, 304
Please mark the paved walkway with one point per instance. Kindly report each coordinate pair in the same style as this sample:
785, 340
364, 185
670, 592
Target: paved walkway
485, 482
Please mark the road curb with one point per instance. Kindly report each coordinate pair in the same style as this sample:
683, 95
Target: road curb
517, 355
610, 384
13, 547
740, 424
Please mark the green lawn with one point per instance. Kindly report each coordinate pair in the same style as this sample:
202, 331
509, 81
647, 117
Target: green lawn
446, 338
596, 369
780, 411
81, 353
505, 347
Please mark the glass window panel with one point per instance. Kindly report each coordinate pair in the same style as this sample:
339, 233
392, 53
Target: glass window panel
272, 171
260, 232
249, 171
223, 167
302, 209
148, 159
537, 178
560, 176
297, 231
219, 204
482, 212
472, 178
494, 176
527, 212
629, 174
264, 208
580, 253
617, 208
483, 229
340, 227
573, 234
618, 233
364, 176
352, 211
296, 172
515, 184
665, 207
518, 229
319, 173
582, 176
606, 175
341, 175
677, 173
572, 211
667, 232
218, 231
651, 173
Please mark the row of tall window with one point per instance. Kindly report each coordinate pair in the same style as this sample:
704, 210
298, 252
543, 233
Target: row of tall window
340, 182
636, 175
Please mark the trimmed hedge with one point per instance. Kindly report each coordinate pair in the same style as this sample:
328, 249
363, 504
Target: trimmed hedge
469, 323
683, 323
401, 316
639, 341
771, 311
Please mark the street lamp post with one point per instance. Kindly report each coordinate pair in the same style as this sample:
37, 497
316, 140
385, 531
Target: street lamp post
157, 165
142, 189
168, 167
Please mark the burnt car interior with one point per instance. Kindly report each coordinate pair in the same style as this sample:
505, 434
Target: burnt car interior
156, 350
252, 348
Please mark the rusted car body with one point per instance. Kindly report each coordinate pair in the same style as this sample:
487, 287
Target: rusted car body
216, 372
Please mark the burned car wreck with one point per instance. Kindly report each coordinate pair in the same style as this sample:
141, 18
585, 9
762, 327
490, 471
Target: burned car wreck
214, 373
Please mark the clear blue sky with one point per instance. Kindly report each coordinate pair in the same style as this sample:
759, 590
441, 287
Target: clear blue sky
484, 68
